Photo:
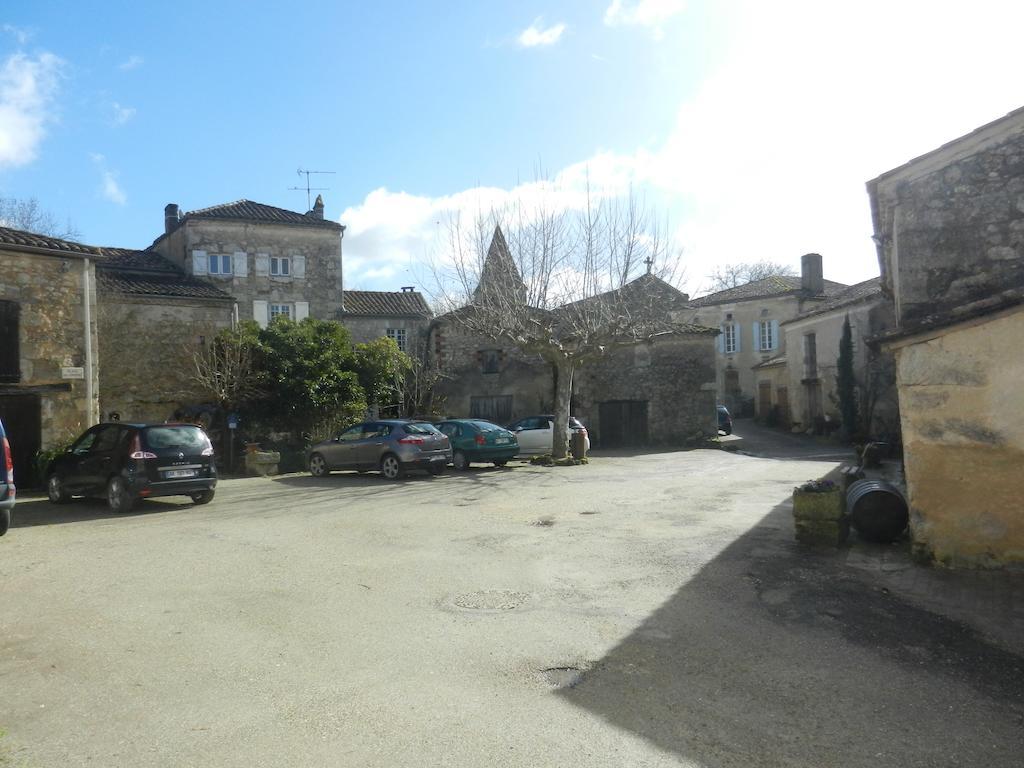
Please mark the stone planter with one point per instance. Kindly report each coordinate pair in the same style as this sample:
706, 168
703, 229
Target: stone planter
818, 517
262, 462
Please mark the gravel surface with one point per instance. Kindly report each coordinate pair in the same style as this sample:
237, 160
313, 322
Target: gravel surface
660, 616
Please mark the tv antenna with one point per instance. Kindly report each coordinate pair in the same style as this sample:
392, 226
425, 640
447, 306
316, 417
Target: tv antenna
307, 188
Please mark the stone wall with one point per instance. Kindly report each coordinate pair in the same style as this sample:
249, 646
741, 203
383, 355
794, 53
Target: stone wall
364, 329
674, 374
146, 352
952, 224
49, 290
320, 246
963, 433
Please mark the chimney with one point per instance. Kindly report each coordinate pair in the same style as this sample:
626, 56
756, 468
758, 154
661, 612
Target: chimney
811, 280
408, 288
171, 217
318, 208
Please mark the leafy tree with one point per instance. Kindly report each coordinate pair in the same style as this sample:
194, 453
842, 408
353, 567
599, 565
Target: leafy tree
846, 381
733, 275
29, 216
382, 368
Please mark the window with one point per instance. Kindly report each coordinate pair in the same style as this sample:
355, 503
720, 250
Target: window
220, 264
490, 360
10, 355
351, 434
281, 310
398, 336
729, 332
766, 335
280, 266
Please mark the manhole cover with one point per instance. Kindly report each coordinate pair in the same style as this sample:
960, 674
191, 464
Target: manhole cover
562, 677
490, 600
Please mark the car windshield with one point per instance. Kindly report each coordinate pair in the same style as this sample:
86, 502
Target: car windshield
179, 436
486, 426
419, 428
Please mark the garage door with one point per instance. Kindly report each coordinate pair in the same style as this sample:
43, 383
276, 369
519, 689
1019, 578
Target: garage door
623, 423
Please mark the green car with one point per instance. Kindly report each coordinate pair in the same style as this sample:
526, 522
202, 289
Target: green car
479, 441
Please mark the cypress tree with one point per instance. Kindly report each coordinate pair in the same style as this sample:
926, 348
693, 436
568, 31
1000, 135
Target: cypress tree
846, 382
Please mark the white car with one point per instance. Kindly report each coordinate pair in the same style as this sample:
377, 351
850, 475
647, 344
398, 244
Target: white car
535, 434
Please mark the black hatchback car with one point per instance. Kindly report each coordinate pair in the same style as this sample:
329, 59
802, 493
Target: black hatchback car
127, 462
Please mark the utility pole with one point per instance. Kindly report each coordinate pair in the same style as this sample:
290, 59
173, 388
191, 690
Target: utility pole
307, 188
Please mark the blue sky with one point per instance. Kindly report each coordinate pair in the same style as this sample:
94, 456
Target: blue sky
753, 125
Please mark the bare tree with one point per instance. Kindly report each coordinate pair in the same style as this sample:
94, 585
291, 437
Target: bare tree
733, 275
223, 368
29, 216
568, 284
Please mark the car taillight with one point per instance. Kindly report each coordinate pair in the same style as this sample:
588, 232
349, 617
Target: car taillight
480, 440
8, 463
411, 441
137, 452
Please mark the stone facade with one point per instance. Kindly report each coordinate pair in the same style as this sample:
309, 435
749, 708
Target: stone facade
950, 233
146, 353
255, 249
749, 317
43, 290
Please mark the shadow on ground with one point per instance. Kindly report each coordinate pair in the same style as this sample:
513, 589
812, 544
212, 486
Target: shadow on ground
773, 655
31, 512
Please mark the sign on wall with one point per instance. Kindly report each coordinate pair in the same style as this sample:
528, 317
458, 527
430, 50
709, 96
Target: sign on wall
72, 372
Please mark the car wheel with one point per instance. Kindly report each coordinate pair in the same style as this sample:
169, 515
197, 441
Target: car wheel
5, 520
318, 466
56, 491
459, 461
391, 467
118, 498
501, 462
203, 497
437, 468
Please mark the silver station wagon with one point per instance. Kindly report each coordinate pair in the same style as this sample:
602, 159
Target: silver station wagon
393, 446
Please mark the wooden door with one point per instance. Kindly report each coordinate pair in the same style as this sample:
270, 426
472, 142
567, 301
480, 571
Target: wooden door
22, 417
782, 396
623, 423
764, 399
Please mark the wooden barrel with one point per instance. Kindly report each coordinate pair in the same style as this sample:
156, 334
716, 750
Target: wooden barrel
877, 510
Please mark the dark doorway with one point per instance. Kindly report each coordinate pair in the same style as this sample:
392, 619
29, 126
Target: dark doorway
494, 408
21, 415
623, 423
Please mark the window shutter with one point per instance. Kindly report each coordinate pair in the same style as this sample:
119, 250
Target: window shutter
757, 336
298, 266
737, 334
199, 262
241, 264
262, 265
261, 313
301, 310
775, 334
721, 339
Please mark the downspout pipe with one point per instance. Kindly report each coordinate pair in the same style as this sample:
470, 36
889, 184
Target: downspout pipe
90, 415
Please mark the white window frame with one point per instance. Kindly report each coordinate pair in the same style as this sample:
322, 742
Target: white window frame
399, 336
219, 260
282, 310
280, 266
729, 340
765, 342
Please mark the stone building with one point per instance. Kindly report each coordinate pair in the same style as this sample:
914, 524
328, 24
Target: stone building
798, 387
402, 316
749, 317
659, 390
271, 260
49, 376
949, 227
152, 318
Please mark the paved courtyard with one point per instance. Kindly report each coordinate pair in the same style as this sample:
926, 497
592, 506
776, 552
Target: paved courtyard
645, 610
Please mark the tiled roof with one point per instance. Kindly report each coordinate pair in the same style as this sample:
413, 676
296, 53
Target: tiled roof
776, 285
845, 297
141, 261
16, 237
155, 284
385, 304
247, 210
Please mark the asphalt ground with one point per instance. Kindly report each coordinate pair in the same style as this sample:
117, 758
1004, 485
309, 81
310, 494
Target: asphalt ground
646, 610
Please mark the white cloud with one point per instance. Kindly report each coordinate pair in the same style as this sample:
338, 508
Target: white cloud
770, 157
132, 62
28, 89
109, 187
537, 35
19, 34
122, 114
643, 13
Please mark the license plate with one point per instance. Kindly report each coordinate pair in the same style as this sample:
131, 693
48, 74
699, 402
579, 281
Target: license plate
172, 473
500, 440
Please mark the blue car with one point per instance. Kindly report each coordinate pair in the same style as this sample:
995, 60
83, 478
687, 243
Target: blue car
7, 489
